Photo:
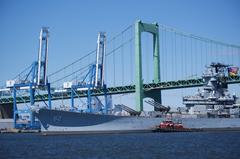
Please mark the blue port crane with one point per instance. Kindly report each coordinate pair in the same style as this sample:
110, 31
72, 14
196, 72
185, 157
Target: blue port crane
94, 79
35, 79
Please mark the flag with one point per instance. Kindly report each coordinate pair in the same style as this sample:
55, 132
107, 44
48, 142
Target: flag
233, 71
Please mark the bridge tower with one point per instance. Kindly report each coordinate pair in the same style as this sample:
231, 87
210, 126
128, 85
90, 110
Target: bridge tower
153, 29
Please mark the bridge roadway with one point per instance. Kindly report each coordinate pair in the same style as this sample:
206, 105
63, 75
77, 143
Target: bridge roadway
120, 90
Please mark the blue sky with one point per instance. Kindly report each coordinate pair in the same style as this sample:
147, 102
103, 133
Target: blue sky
74, 25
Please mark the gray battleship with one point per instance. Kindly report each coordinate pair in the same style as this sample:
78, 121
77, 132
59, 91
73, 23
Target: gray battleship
212, 108
214, 99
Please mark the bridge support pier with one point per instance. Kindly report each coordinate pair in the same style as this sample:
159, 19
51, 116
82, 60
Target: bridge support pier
153, 29
6, 111
155, 95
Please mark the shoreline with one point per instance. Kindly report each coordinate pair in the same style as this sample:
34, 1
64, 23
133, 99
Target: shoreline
18, 131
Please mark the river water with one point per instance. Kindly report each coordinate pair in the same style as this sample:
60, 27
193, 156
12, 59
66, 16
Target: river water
189, 145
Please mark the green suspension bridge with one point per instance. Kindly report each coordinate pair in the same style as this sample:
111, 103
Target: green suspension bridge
175, 61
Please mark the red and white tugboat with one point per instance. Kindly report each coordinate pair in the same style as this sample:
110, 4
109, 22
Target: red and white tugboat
170, 126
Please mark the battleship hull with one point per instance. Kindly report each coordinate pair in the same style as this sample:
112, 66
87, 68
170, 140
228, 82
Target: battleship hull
57, 121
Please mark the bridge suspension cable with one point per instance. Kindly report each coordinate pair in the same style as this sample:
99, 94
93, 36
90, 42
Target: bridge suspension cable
184, 55
67, 72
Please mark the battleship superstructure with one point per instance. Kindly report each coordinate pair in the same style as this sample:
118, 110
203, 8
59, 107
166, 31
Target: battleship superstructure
214, 100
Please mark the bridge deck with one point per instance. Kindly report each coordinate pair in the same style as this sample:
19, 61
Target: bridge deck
120, 90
